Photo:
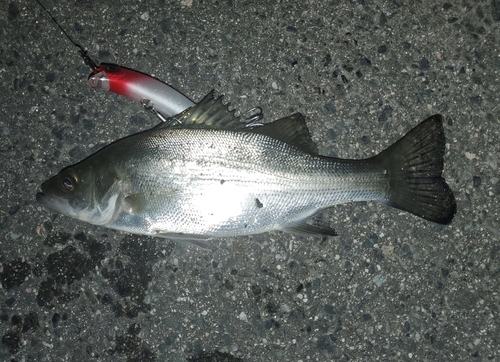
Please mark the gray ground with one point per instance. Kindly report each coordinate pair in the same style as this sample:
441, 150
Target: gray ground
389, 287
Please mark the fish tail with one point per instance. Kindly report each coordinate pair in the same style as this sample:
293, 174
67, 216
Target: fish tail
414, 165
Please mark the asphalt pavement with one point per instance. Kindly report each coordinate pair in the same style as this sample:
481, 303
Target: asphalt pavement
389, 287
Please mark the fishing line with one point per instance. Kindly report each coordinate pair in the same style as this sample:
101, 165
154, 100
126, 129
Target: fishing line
155, 96
82, 51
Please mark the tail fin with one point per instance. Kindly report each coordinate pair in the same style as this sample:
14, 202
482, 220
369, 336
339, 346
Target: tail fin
414, 165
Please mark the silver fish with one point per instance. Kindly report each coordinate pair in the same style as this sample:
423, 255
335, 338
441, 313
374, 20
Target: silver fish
211, 177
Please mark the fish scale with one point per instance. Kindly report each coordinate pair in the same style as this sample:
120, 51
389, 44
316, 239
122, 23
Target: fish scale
203, 168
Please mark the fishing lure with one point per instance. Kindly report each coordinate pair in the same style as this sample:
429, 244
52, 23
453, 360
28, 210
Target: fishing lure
154, 95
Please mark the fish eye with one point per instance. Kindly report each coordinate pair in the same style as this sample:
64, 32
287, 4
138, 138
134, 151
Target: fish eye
68, 184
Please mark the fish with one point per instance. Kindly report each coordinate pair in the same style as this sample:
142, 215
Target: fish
208, 176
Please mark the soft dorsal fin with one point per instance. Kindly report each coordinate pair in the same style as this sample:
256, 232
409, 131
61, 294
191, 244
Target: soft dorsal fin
292, 130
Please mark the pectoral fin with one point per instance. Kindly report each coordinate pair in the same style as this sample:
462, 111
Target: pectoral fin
136, 203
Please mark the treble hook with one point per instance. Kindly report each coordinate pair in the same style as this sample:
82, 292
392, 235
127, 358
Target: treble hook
253, 120
149, 106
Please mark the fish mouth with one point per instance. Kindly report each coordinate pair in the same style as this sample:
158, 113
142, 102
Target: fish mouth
48, 198
52, 202
42, 198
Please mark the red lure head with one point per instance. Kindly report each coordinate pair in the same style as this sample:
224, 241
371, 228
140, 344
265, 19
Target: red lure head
113, 78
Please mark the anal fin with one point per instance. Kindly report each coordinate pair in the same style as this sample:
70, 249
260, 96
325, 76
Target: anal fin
319, 224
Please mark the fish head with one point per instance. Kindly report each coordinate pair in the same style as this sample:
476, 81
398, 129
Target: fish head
75, 192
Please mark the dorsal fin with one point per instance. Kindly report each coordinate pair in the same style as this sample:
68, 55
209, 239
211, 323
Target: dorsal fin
292, 130
212, 113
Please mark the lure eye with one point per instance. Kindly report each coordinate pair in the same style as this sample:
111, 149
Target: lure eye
68, 184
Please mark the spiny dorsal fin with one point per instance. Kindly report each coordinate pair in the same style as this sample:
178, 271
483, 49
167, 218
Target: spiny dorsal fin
292, 130
210, 112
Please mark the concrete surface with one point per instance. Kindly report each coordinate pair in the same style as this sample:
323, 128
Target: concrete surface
390, 287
